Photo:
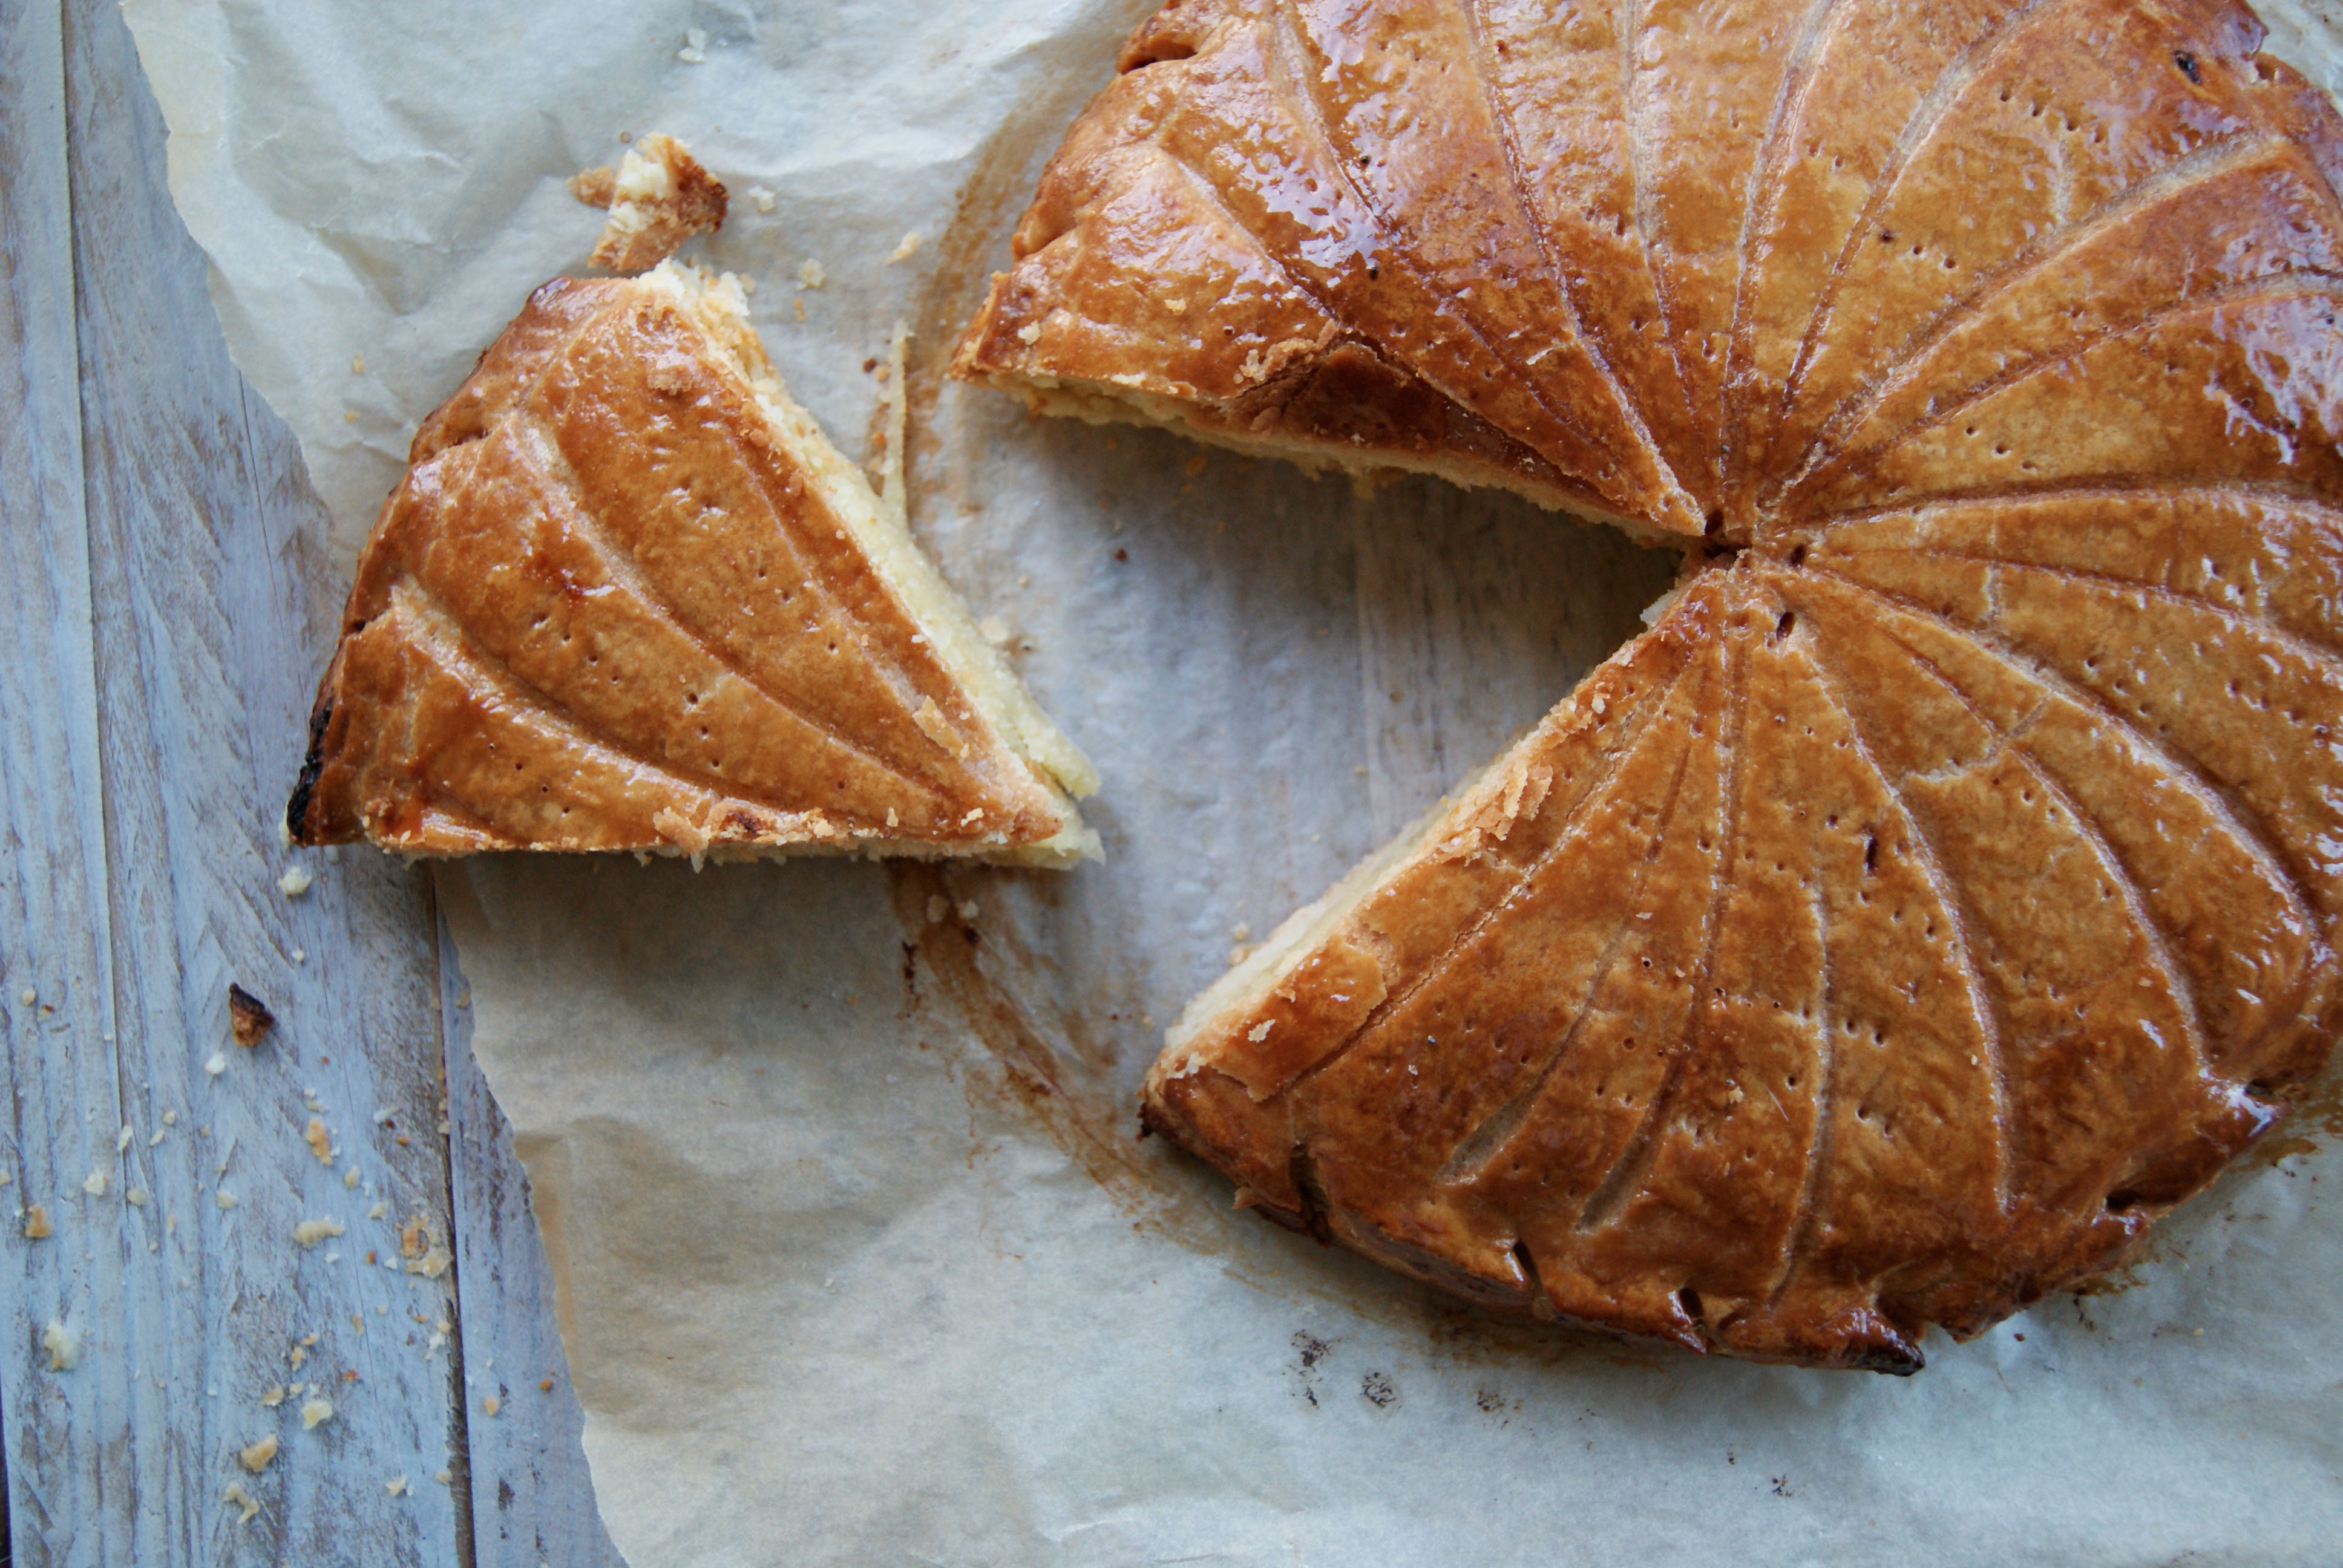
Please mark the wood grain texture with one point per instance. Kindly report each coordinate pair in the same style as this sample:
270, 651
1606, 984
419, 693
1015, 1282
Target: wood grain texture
172, 612
532, 1500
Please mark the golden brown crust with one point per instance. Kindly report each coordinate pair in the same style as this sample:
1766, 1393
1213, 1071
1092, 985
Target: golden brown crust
1222, 232
610, 607
1947, 886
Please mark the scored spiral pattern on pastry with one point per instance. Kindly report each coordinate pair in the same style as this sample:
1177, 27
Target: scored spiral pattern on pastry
1948, 883
621, 600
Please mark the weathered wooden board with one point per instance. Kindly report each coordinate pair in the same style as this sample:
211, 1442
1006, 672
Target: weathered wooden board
532, 1499
168, 617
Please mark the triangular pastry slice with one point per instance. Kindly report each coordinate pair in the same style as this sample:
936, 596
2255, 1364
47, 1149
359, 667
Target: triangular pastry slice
1951, 881
628, 597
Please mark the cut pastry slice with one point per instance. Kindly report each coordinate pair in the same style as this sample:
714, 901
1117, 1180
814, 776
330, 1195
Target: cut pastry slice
628, 597
1271, 240
1948, 884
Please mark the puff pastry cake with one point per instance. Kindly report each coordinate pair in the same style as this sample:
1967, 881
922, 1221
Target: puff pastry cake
628, 597
1948, 884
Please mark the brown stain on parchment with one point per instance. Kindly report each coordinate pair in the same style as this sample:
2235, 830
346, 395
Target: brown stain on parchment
1066, 1090
546, 1161
1001, 181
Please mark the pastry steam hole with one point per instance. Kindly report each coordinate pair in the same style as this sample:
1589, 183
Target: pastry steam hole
1158, 52
1522, 1256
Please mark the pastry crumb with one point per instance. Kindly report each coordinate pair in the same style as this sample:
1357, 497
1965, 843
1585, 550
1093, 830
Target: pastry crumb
906, 249
274, 1396
309, 1232
63, 1343
931, 723
224, 1199
812, 274
764, 200
94, 1183
423, 1250
248, 1017
658, 197
216, 1065
695, 48
296, 881
254, 1457
595, 186
319, 1143
236, 1495
395, 1486
316, 1411
680, 830
492, 1404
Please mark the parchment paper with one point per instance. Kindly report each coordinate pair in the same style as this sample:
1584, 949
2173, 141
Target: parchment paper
858, 1258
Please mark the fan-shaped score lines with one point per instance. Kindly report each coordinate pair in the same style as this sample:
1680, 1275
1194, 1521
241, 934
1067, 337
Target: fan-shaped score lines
1948, 883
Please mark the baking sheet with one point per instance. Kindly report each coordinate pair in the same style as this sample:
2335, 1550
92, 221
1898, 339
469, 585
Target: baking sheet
858, 1259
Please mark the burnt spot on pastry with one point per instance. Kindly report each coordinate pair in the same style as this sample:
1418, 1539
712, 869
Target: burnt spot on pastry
248, 1017
313, 763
